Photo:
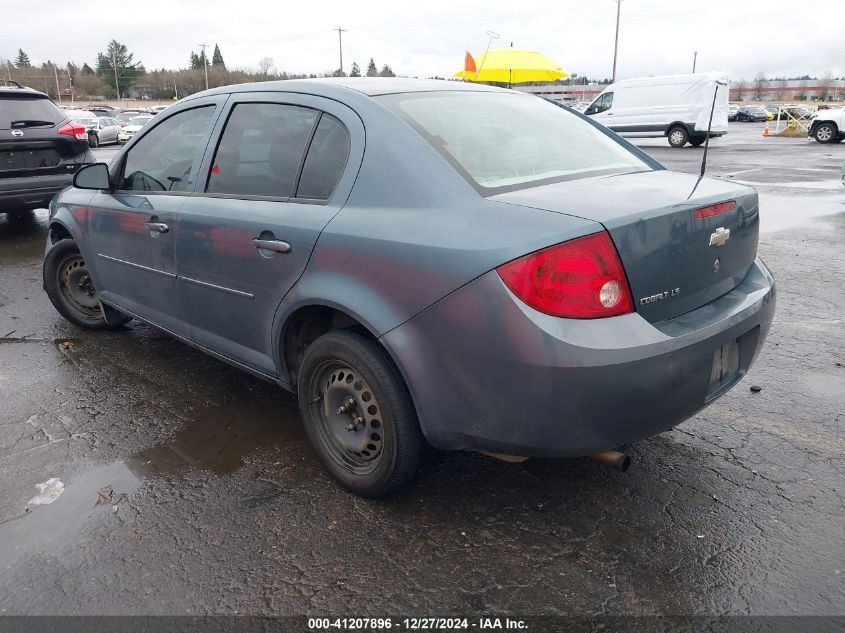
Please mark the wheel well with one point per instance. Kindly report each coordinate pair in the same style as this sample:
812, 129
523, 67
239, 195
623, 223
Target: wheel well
305, 325
58, 232
674, 125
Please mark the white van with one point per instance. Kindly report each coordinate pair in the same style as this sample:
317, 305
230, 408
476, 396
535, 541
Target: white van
675, 106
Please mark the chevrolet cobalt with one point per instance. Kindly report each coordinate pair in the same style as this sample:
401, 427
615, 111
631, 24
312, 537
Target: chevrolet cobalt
422, 261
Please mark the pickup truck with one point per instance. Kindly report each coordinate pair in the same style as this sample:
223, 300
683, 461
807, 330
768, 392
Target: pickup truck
828, 126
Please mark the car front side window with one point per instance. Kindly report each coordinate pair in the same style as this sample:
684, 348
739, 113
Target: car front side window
163, 159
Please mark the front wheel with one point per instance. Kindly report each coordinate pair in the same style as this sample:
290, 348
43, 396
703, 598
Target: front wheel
825, 132
93, 140
358, 414
71, 290
678, 136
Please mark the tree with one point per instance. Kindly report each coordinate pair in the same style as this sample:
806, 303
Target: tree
356, 71
386, 71
372, 71
759, 83
87, 70
22, 60
217, 58
265, 65
339, 73
198, 61
117, 68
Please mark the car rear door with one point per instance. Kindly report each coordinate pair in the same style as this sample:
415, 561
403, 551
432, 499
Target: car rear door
132, 228
282, 167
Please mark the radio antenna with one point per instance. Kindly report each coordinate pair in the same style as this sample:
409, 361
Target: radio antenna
719, 83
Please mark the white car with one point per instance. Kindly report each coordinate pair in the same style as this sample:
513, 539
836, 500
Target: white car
134, 126
828, 126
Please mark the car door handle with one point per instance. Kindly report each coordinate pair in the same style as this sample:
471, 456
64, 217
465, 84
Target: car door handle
278, 246
157, 227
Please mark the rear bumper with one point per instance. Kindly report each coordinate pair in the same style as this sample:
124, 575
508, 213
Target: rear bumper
31, 192
487, 372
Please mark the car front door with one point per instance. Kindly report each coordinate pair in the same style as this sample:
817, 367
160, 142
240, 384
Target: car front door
601, 109
132, 228
283, 166
110, 130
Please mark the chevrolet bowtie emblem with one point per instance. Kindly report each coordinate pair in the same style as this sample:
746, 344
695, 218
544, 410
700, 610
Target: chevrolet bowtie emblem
720, 236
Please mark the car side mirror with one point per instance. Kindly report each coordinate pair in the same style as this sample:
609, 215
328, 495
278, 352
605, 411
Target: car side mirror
94, 176
590, 110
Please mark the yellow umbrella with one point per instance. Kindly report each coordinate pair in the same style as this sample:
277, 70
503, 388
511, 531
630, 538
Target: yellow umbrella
514, 66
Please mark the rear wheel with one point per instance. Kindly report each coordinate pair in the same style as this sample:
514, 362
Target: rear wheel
695, 141
71, 290
678, 136
825, 132
358, 414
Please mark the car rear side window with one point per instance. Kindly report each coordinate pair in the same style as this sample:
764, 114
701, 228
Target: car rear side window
503, 141
21, 111
261, 150
163, 159
326, 159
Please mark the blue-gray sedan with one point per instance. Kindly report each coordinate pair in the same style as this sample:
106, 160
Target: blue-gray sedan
422, 260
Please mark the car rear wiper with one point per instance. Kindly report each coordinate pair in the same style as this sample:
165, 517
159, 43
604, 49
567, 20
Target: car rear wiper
30, 123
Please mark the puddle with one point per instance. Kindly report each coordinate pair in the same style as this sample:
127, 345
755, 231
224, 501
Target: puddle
46, 529
217, 440
220, 438
778, 212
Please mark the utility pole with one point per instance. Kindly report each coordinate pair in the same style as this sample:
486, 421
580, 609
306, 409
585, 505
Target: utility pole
114, 65
616, 43
340, 33
694, 57
70, 83
58, 90
204, 63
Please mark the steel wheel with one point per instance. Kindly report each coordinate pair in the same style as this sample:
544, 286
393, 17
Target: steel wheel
348, 417
77, 288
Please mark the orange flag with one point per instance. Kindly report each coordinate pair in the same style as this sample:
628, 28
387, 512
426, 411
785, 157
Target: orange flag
469, 64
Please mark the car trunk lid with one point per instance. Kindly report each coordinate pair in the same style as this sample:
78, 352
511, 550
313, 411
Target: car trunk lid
674, 260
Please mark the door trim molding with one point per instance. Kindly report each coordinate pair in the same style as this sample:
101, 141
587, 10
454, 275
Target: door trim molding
138, 266
205, 284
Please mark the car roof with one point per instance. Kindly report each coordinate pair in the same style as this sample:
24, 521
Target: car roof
336, 87
21, 91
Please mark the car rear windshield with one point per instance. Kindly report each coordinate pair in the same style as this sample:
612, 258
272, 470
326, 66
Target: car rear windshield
505, 141
28, 109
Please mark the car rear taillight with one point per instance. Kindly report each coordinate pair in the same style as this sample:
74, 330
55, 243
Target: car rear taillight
74, 129
579, 279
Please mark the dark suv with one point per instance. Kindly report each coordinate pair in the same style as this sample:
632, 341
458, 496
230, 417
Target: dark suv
40, 148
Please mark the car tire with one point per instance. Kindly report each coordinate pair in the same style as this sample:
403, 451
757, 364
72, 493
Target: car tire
93, 140
373, 445
696, 141
678, 136
825, 132
71, 291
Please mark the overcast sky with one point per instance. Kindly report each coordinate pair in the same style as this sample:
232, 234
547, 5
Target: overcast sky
425, 38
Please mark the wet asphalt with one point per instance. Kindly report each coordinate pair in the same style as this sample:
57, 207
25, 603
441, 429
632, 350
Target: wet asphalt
190, 487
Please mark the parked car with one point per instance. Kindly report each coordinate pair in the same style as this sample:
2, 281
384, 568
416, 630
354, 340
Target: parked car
474, 278
752, 113
676, 106
828, 126
732, 110
773, 112
102, 108
40, 148
101, 130
123, 118
158, 108
133, 127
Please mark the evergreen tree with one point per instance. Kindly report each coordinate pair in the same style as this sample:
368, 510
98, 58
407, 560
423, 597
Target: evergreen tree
22, 60
356, 71
117, 68
87, 70
217, 58
372, 71
385, 71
